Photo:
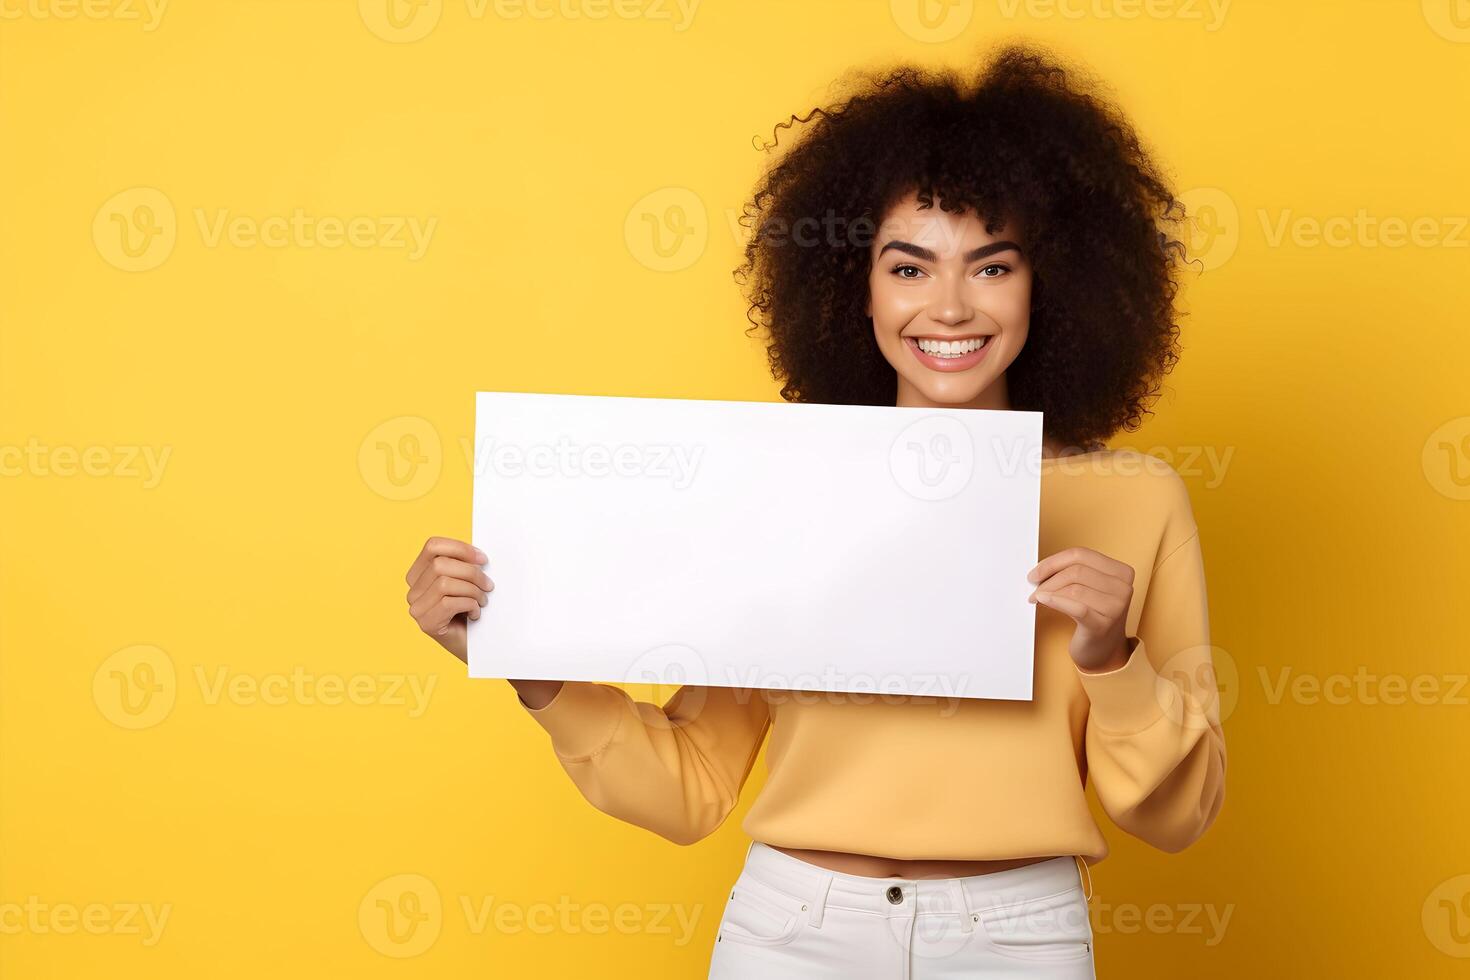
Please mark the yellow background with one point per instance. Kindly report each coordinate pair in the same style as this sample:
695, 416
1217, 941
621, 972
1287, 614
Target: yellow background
1331, 376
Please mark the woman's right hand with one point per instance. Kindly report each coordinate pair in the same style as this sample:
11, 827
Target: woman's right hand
446, 589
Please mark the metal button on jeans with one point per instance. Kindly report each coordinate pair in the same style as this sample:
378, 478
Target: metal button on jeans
895, 894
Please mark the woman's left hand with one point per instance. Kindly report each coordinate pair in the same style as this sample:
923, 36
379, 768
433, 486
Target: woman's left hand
1095, 591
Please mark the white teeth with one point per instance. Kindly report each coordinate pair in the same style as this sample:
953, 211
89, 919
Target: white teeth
951, 348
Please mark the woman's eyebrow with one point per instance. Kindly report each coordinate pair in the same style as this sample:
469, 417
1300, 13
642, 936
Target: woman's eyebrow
920, 252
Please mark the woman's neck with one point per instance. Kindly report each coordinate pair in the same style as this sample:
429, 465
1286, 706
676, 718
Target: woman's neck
995, 397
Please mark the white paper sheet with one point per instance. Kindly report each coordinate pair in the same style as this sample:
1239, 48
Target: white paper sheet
756, 544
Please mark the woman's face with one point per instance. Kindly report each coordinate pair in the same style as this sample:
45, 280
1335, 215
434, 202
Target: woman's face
951, 305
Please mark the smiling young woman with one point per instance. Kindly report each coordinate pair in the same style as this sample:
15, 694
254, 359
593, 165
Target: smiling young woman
995, 242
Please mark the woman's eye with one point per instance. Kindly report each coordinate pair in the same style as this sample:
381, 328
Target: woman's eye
907, 271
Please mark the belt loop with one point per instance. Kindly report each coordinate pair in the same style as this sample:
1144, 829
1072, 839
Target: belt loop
818, 900
968, 916
1086, 888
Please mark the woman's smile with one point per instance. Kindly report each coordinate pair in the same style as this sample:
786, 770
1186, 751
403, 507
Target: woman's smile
949, 353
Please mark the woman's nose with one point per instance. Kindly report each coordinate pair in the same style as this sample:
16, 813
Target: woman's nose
949, 304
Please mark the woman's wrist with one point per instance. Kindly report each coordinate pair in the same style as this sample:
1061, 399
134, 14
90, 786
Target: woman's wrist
536, 694
1117, 660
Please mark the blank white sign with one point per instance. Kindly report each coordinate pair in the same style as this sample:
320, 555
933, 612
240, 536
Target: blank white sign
757, 544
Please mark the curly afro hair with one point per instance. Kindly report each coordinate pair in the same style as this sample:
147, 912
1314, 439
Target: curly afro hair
1023, 138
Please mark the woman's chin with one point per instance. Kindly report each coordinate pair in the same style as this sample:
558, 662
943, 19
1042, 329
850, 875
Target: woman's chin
956, 391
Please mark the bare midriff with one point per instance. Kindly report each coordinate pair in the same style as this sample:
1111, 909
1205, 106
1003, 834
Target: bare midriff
873, 866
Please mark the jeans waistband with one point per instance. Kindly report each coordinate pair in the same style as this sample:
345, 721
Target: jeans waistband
820, 888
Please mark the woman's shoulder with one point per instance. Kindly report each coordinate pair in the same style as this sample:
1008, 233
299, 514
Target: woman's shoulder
1119, 462
1148, 482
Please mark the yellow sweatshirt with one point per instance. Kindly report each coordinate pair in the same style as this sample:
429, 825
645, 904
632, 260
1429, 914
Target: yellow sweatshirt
952, 778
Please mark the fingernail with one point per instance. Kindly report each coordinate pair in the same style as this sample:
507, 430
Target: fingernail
481, 556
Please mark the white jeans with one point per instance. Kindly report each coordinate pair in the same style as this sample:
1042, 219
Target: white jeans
787, 919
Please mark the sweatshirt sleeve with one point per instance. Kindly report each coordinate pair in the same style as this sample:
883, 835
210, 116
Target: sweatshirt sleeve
675, 770
1155, 748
